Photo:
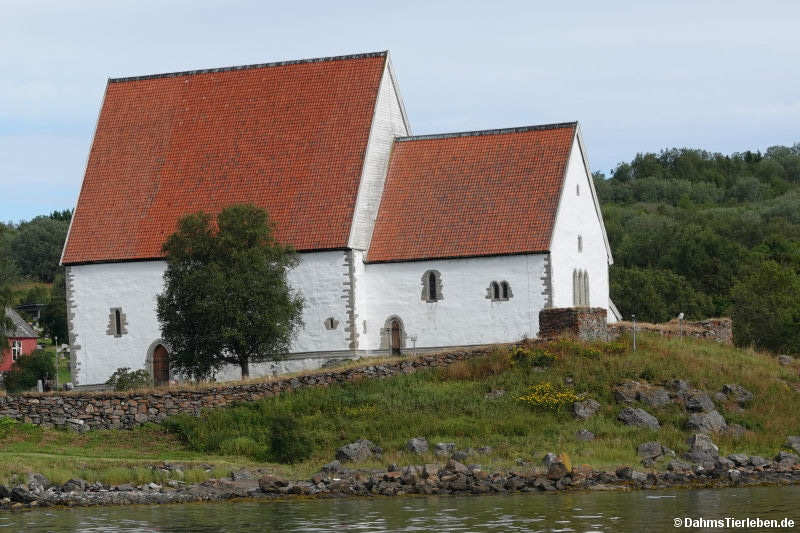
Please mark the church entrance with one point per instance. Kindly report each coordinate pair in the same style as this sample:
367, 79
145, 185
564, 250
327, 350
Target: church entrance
395, 337
160, 366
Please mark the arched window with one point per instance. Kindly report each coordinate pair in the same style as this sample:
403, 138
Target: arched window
506, 290
580, 288
495, 290
432, 286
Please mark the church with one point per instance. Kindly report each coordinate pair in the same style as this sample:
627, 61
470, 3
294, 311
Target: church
407, 243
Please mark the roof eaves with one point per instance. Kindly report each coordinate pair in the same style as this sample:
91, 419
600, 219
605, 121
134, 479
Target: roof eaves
478, 133
247, 67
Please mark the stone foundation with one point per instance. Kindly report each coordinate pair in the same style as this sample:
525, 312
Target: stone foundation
716, 329
584, 323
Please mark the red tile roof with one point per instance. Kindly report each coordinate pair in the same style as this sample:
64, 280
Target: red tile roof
479, 193
289, 137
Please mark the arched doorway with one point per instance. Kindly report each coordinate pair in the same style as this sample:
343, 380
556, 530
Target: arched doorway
160, 366
396, 337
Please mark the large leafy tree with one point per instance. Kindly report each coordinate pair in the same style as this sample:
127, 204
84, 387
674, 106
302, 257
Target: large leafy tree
8, 275
36, 247
54, 316
226, 298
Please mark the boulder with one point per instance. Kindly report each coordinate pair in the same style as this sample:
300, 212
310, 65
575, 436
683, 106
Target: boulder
548, 459
708, 422
757, 460
360, 450
455, 467
584, 435
735, 430
74, 485
655, 397
787, 459
739, 459
37, 482
679, 385
785, 360
650, 450
417, 445
627, 391
444, 449
793, 442
585, 409
679, 466
270, 483
557, 470
637, 417
701, 449
737, 393
699, 401
462, 455
22, 495
333, 466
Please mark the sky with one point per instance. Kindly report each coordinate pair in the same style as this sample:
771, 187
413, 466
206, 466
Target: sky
639, 76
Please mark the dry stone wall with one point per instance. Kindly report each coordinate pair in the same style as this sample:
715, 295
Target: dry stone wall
716, 329
81, 411
584, 323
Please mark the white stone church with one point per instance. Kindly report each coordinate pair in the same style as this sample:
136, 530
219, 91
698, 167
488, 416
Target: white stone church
406, 242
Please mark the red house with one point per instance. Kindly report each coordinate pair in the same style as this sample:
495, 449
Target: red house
21, 340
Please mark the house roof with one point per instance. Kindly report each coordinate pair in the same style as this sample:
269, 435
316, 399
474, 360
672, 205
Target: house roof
492, 192
289, 137
21, 329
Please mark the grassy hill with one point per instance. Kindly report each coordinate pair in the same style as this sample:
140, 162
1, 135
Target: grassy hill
458, 403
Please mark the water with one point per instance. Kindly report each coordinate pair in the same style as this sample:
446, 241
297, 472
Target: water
580, 512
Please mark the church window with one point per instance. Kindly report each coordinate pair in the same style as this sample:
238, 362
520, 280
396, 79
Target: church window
499, 291
117, 322
580, 243
432, 286
506, 290
331, 323
580, 288
495, 290
578, 189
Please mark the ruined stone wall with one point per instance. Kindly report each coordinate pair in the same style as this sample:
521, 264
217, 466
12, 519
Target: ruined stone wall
717, 329
82, 411
583, 323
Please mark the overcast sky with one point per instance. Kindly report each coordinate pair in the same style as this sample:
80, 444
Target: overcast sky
639, 76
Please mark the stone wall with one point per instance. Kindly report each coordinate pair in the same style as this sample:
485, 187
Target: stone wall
585, 323
82, 411
717, 329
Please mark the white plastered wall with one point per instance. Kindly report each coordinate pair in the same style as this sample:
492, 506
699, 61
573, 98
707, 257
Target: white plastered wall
133, 287
464, 316
578, 215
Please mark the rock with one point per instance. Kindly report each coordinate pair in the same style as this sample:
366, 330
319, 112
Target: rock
655, 397
585, 409
417, 445
22, 495
548, 459
639, 477
557, 470
455, 467
723, 464
785, 360
793, 442
125, 487
444, 449
739, 459
737, 393
627, 391
584, 435
5, 492
720, 397
708, 422
37, 482
74, 485
786, 458
637, 417
679, 466
494, 394
679, 385
333, 466
650, 450
699, 401
239, 475
360, 450
757, 460
734, 475
485, 450
624, 472
701, 449
270, 483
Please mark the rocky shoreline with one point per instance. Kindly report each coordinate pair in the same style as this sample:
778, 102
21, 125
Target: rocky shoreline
450, 478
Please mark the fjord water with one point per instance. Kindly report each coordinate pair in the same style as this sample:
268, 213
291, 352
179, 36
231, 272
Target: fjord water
580, 512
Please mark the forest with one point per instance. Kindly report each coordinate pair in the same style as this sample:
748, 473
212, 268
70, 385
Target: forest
708, 234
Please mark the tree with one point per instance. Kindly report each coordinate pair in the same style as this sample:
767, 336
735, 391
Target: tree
226, 298
37, 245
766, 308
54, 316
28, 369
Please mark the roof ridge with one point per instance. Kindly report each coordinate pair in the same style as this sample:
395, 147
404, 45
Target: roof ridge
176, 74
496, 131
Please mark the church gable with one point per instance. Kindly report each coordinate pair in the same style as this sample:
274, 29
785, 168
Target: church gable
472, 194
289, 137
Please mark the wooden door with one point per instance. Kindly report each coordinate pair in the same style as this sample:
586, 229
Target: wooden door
395, 337
160, 366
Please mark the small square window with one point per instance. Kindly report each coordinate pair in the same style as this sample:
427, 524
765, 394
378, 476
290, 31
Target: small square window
580, 243
578, 189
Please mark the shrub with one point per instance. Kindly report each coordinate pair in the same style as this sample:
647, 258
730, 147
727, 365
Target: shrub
126, 379
27, 370
288, 444
532, 357
550, 397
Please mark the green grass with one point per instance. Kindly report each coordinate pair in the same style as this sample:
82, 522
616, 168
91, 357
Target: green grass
449, 404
